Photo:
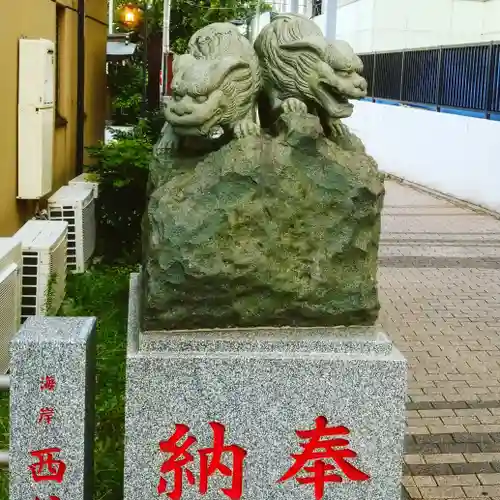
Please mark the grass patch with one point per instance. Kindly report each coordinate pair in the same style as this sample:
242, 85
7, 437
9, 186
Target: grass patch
102, 292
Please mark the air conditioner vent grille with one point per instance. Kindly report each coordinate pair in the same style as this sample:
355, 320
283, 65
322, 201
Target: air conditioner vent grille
29, 290
9, 303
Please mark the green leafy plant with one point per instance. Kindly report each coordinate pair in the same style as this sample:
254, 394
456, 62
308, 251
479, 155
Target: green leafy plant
121, 168
50, 293
126, 109
150, 126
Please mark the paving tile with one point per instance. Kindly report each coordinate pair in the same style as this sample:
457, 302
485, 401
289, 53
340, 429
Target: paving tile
446, 458
414, 459
485, 404
478, 491
481, 457
413, 492
472, 438
419, 406
446, 492
420, 481
459, 480
445, 429
489, 447
432, 469
437, 438
472, 468
489, 479
437, 413
453, 405
409, 441
462, 448
483, 428
429, 449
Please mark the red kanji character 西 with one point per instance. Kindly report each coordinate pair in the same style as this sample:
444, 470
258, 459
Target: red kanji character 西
46, 415
48, 383
47, 468
317, 450
180, 457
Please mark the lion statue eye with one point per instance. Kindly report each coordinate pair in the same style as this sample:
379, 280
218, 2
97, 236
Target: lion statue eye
201, 98
343, 73
177, 97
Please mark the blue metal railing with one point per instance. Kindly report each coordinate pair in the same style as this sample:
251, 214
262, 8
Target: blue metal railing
463, 78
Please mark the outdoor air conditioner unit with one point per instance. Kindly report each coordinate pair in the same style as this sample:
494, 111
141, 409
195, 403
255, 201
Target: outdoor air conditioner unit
86, 180
10, 296
43, 245
75, 205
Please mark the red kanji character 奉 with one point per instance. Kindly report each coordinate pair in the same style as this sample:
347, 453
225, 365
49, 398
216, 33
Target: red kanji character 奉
316, 450
55, 468
208, 468
179, 458
48, 383
45, 415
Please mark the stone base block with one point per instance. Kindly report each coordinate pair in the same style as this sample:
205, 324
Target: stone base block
260, 414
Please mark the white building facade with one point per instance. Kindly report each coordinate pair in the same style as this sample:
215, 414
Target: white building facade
385, 25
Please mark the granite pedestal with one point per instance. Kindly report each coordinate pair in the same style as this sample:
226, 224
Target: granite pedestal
52, 409
219, 413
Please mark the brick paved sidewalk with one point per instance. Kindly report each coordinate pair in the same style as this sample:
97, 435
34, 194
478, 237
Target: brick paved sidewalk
440, 293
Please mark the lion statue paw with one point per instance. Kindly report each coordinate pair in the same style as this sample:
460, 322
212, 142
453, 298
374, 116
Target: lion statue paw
293, 105
246, 128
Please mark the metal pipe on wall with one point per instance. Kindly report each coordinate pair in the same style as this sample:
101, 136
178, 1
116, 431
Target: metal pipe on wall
166, 46
329, 8
111, 9
80, 88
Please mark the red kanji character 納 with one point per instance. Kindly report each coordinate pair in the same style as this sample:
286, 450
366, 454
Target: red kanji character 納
208, 468
46, 415
177, 461
316, 450
55, 468
48, 383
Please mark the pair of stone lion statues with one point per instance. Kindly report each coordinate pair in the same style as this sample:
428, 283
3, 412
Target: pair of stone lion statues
222, 81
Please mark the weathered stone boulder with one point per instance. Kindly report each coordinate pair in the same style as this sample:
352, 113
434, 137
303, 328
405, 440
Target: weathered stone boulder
270, 231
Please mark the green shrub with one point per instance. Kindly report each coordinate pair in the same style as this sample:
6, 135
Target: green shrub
126, 110
125, 83
121, 168
150, 126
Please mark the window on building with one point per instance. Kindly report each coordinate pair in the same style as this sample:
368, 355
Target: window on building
60, 26
316, 7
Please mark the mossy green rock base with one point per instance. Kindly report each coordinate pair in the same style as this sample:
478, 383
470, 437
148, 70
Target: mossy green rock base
270, 231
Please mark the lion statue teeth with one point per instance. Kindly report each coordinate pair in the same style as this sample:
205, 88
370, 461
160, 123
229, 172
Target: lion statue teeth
215, 85
303, 73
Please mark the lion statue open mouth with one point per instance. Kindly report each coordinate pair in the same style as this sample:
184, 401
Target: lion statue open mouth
302, 72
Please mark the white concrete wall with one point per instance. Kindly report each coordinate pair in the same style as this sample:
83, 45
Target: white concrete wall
380, 25
456, 155
257, 24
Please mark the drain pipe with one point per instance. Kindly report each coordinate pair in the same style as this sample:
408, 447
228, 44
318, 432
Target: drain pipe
329, 9
80, 88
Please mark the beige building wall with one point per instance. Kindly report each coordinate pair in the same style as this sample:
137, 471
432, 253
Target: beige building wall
56, 21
